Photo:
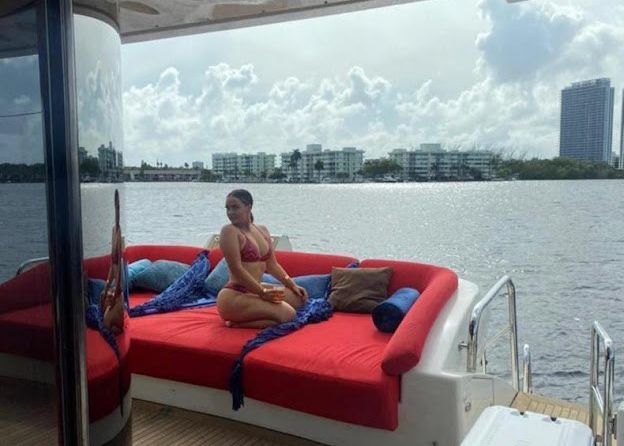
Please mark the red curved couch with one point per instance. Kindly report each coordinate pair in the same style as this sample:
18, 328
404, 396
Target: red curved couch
343, 368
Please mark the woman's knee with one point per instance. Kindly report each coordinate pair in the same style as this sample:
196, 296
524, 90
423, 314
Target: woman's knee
287, 313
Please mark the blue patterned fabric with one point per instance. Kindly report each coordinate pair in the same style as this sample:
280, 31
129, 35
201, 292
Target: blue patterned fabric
188, 291
388, 314
95, 320
314, 310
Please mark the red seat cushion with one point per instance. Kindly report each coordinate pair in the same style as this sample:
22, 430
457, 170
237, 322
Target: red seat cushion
323, 369
436, 286
28, 332
331, 369
184, 254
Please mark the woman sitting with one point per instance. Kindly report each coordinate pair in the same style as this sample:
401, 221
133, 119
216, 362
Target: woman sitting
245, 301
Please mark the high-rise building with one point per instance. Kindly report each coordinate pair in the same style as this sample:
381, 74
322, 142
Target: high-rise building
82, 154
198, 165
621, 164
110, 162
586, 125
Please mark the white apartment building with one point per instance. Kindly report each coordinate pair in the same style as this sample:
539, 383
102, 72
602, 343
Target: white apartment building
431, 162
232, 165
336, 164
199, 165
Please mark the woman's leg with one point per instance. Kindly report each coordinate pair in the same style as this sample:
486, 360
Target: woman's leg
294, 300
249, 309
253, 324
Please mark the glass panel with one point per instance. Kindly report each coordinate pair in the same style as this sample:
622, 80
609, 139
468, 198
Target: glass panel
100, 154
27, 371
100, 131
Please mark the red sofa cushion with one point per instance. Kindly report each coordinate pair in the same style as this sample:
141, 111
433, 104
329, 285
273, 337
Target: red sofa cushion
184, 254
331, 369
26, 290
321, 369
436, 286
28, 332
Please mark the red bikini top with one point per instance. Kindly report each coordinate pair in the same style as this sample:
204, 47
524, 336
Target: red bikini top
250, 253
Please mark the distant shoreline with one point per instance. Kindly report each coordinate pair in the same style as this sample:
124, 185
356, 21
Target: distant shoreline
504, 180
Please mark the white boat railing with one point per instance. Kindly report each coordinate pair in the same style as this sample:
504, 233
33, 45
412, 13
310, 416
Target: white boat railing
603, 402
474, 348
30, 263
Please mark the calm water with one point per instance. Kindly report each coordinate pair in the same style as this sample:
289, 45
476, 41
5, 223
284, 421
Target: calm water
562, 242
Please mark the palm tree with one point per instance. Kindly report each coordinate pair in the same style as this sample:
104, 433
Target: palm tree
294, 159
318, 166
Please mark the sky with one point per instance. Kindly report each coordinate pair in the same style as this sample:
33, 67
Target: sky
462, 73
459, 72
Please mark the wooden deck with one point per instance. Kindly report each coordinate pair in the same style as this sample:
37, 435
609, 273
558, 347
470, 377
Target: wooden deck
154, 424
27, 417
550, 406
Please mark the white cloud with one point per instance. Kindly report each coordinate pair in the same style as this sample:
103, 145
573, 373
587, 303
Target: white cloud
525, 55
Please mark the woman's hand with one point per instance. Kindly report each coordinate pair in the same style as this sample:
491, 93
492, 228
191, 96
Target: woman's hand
301, 292
275, 295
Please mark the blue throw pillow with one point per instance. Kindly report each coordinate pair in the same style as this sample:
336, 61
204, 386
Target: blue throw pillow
94, 289
388, 315
125, 274
134, 269
217, 278
159, 275
318, 286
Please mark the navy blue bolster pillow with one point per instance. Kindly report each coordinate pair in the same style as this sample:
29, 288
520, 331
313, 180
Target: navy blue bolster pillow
388, 315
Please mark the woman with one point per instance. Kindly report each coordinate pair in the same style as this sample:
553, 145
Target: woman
245, 301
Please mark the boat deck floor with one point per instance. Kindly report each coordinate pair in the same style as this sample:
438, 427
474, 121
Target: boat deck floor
28, 417
550, 406
154, 424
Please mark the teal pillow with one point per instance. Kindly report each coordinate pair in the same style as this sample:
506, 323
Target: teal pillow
94, 289
318, 286
136, 268
217, 278
159, 275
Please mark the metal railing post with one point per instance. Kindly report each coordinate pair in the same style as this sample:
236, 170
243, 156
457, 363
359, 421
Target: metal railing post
473, 330
604, 401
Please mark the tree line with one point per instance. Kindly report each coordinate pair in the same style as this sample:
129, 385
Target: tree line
556, 169
533, 169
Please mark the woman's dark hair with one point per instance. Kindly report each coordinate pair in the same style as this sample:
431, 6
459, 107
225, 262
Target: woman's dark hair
244, 196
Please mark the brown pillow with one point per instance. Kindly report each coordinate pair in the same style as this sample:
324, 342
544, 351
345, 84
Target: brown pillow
358, 290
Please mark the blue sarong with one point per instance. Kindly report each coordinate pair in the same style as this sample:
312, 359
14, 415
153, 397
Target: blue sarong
188, 291
314, 310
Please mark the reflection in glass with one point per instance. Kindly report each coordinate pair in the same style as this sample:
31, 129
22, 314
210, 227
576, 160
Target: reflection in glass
100, 154
100, 128
26, 342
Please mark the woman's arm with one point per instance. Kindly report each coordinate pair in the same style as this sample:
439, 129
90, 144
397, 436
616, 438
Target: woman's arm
275, 269
230, 246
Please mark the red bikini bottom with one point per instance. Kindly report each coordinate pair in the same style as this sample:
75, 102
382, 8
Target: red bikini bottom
237, 287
